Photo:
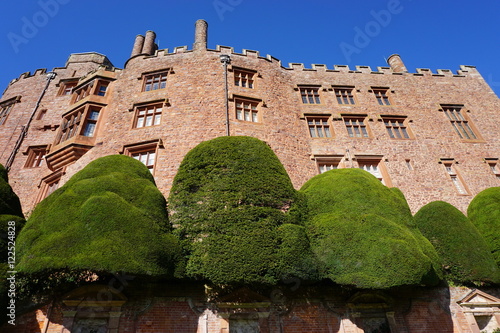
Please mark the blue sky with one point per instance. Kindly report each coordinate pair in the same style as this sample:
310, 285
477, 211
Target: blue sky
427, 34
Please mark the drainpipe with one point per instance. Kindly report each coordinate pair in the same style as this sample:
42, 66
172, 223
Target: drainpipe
24, 131
226, 59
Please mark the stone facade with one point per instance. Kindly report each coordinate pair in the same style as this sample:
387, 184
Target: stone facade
449, 152
194, 110
174, 308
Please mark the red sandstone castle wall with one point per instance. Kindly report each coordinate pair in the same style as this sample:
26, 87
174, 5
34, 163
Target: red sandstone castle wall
408, 310
196, 112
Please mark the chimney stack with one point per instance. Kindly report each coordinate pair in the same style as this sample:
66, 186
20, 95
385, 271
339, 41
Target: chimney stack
139, 43
149, 43
200, 35
397, 64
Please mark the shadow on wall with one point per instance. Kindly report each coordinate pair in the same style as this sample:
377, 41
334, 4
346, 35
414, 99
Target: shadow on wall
428, 310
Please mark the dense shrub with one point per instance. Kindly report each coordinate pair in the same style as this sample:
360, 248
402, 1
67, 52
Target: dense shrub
108, 217
11, 222
9, 202
363, 232
231, 202
484, 213
464, 253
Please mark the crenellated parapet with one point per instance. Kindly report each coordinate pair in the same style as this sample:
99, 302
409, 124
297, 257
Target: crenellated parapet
396, 65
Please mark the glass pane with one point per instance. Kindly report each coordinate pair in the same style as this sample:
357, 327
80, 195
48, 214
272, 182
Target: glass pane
469, 130
396, 131
89, 129
151, 158
149, 120
140, 122
462, 130
254, 117
94, 115
157, 119
327, 132
405, 133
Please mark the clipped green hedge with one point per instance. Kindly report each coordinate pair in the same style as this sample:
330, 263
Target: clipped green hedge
464, 253
9, 201
108, 217
11, 222
484, 213
230, 202
363, 233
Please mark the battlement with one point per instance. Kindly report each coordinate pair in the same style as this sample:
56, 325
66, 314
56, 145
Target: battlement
146, 47
74, 58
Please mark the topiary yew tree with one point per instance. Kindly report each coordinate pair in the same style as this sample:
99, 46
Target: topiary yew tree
464, 253
108, 217
230, 202
11, 222
484, 213
363, 233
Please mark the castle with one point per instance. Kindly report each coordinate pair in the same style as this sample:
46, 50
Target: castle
432, 135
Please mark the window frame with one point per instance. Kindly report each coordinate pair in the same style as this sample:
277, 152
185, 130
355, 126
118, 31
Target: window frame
382, 96
349, 97
454, 176
363, 125
36, 156
67, 87
379, 161
493, 166
462, 124
145, 107
47, 183
148, 80
147, 147
77, 121
246, 81
4, 113
253, 112
310, 95
403, 124
326, 163
319, 128
91, 88
6, 108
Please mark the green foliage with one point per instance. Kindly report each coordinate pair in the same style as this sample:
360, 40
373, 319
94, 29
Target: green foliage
230, 202
363, 232
484, 213
11, 222
464, 253
108, 217
9, 202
